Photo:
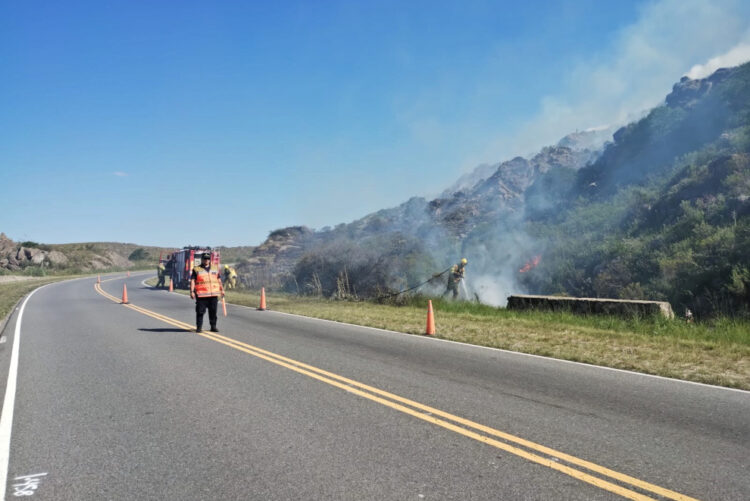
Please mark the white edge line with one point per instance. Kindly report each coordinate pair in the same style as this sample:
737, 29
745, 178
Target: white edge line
6, 421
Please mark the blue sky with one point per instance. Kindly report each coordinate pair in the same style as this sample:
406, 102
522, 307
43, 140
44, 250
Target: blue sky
214, 123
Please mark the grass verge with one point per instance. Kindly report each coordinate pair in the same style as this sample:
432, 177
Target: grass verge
11, 292
714, 353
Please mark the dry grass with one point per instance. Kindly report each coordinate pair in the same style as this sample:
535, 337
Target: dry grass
669, 349
693, 359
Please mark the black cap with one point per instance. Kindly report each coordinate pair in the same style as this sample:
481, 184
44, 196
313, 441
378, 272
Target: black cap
206, 255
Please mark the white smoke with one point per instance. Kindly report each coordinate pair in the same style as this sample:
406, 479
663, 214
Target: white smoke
738, 55
636, 70
493, 289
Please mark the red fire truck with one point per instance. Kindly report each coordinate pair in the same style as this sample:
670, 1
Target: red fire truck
179, 264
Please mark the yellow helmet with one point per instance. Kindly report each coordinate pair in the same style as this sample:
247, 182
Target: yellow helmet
464, 261
226, 266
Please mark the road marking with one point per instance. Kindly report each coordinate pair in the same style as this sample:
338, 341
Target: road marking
6, 420
26, 485
426, 413
432, 339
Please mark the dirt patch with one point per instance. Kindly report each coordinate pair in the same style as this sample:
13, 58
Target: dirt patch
15, 278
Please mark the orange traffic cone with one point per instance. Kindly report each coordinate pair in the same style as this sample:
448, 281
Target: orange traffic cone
124, 294
430, 320
128, 274
171, 287
98, 279
262, 306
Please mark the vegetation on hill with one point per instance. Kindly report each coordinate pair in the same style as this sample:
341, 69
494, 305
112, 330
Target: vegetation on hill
664, 213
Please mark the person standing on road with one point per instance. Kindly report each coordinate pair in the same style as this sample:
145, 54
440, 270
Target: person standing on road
205, 288
161, 272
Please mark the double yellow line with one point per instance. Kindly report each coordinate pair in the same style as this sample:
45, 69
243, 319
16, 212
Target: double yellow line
596, 475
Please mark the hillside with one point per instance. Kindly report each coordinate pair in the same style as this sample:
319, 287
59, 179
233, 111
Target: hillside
662, 212
33, 258
395, 248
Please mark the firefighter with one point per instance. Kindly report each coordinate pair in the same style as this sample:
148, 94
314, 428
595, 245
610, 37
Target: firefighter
161, 272
455, 277
230, 277
205, 288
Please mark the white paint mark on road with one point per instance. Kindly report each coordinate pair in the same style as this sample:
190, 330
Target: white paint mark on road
27, 485
6, 420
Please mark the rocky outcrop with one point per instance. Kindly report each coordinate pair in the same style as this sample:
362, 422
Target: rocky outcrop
57, 258
6, 245
272, 261
15, 257
687, 91
502, 193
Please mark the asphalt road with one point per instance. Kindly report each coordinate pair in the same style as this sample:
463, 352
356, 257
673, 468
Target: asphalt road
121, 402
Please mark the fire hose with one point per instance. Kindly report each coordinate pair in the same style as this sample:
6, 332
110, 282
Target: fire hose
433, 277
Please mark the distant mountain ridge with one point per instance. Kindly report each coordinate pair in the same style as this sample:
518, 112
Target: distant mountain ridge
589, 142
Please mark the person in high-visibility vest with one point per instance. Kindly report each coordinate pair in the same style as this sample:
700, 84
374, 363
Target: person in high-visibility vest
205, 288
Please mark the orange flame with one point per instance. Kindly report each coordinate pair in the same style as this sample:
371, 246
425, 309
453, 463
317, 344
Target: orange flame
530, 265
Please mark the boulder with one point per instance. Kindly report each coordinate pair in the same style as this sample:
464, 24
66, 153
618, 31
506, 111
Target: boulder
7, 246
31, 253
57, 258
38, 257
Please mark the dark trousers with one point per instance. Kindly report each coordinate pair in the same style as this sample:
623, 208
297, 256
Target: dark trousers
452, 287
212, 303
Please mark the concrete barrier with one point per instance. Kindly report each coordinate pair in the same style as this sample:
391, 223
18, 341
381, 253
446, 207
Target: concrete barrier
586, 305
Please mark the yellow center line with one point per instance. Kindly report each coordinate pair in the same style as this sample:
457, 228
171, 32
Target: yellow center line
429, 414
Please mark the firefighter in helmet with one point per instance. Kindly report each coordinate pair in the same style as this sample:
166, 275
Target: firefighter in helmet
205, 288
160, 272
454, 278
230, 277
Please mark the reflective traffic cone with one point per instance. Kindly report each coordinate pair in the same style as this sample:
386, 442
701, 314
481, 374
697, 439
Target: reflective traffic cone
430, 320
124, 294
262, 299
171, 287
